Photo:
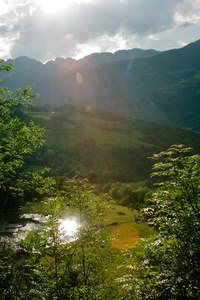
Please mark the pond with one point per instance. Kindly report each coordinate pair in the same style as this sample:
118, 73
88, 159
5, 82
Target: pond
15, 226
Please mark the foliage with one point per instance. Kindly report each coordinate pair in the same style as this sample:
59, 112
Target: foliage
131, 194
14, 273
18, 141
169, 267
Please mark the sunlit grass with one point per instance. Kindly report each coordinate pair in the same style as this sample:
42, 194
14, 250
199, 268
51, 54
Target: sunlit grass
103, 137
121, 215
78, 127
42, 115
123, 218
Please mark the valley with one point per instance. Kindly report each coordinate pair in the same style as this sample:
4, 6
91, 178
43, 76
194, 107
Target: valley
113, 140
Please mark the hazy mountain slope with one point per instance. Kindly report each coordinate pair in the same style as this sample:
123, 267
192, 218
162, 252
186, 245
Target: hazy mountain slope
163, 88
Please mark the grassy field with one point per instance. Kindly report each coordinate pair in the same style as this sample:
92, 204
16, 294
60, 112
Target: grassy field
125, 228
120, 215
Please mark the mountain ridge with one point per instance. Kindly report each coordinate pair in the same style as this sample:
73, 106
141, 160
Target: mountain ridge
163, 87
27, 68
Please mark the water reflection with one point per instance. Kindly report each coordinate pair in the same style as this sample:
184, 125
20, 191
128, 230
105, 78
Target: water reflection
12, 233
34, 217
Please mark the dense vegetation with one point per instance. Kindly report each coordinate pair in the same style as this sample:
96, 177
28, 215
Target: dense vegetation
100, 145
104, 261
169, 267
18, 141
166, 268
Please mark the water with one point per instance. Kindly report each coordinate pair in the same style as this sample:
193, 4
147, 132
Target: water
12, 232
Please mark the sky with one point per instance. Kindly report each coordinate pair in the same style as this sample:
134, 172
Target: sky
46, 29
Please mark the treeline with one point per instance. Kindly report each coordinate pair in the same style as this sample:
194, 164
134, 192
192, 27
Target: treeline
133, 194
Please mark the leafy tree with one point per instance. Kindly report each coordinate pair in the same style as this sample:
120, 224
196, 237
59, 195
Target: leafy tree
90, 210
169, 267
18, 141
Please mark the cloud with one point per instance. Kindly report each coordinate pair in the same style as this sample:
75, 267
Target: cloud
141, 16
99, 24
3, 29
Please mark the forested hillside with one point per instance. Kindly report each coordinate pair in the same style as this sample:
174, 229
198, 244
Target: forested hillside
100, 145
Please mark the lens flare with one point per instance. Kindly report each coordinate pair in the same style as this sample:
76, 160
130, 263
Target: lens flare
79, 78
76, 80
124, 237
88, 109
128, 69
69, 36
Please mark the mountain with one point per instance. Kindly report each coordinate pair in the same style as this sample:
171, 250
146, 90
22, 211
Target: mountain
107, 57
141, 84
164, 88
31, 72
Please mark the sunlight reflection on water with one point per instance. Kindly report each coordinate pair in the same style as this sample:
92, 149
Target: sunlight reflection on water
13, 233
68, 229
69, 226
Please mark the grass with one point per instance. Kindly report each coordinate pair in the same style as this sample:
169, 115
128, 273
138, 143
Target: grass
103, 131
123, 225
121, 215
75, 134
41, 115
108, 132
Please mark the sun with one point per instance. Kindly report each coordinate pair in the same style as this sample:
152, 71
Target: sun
52, 6
69, 227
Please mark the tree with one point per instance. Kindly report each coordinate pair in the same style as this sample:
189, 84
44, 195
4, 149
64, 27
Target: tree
169, 267
18, 141
60, 268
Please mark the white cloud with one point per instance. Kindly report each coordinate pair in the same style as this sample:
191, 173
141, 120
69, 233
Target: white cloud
4, 8
96, 25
